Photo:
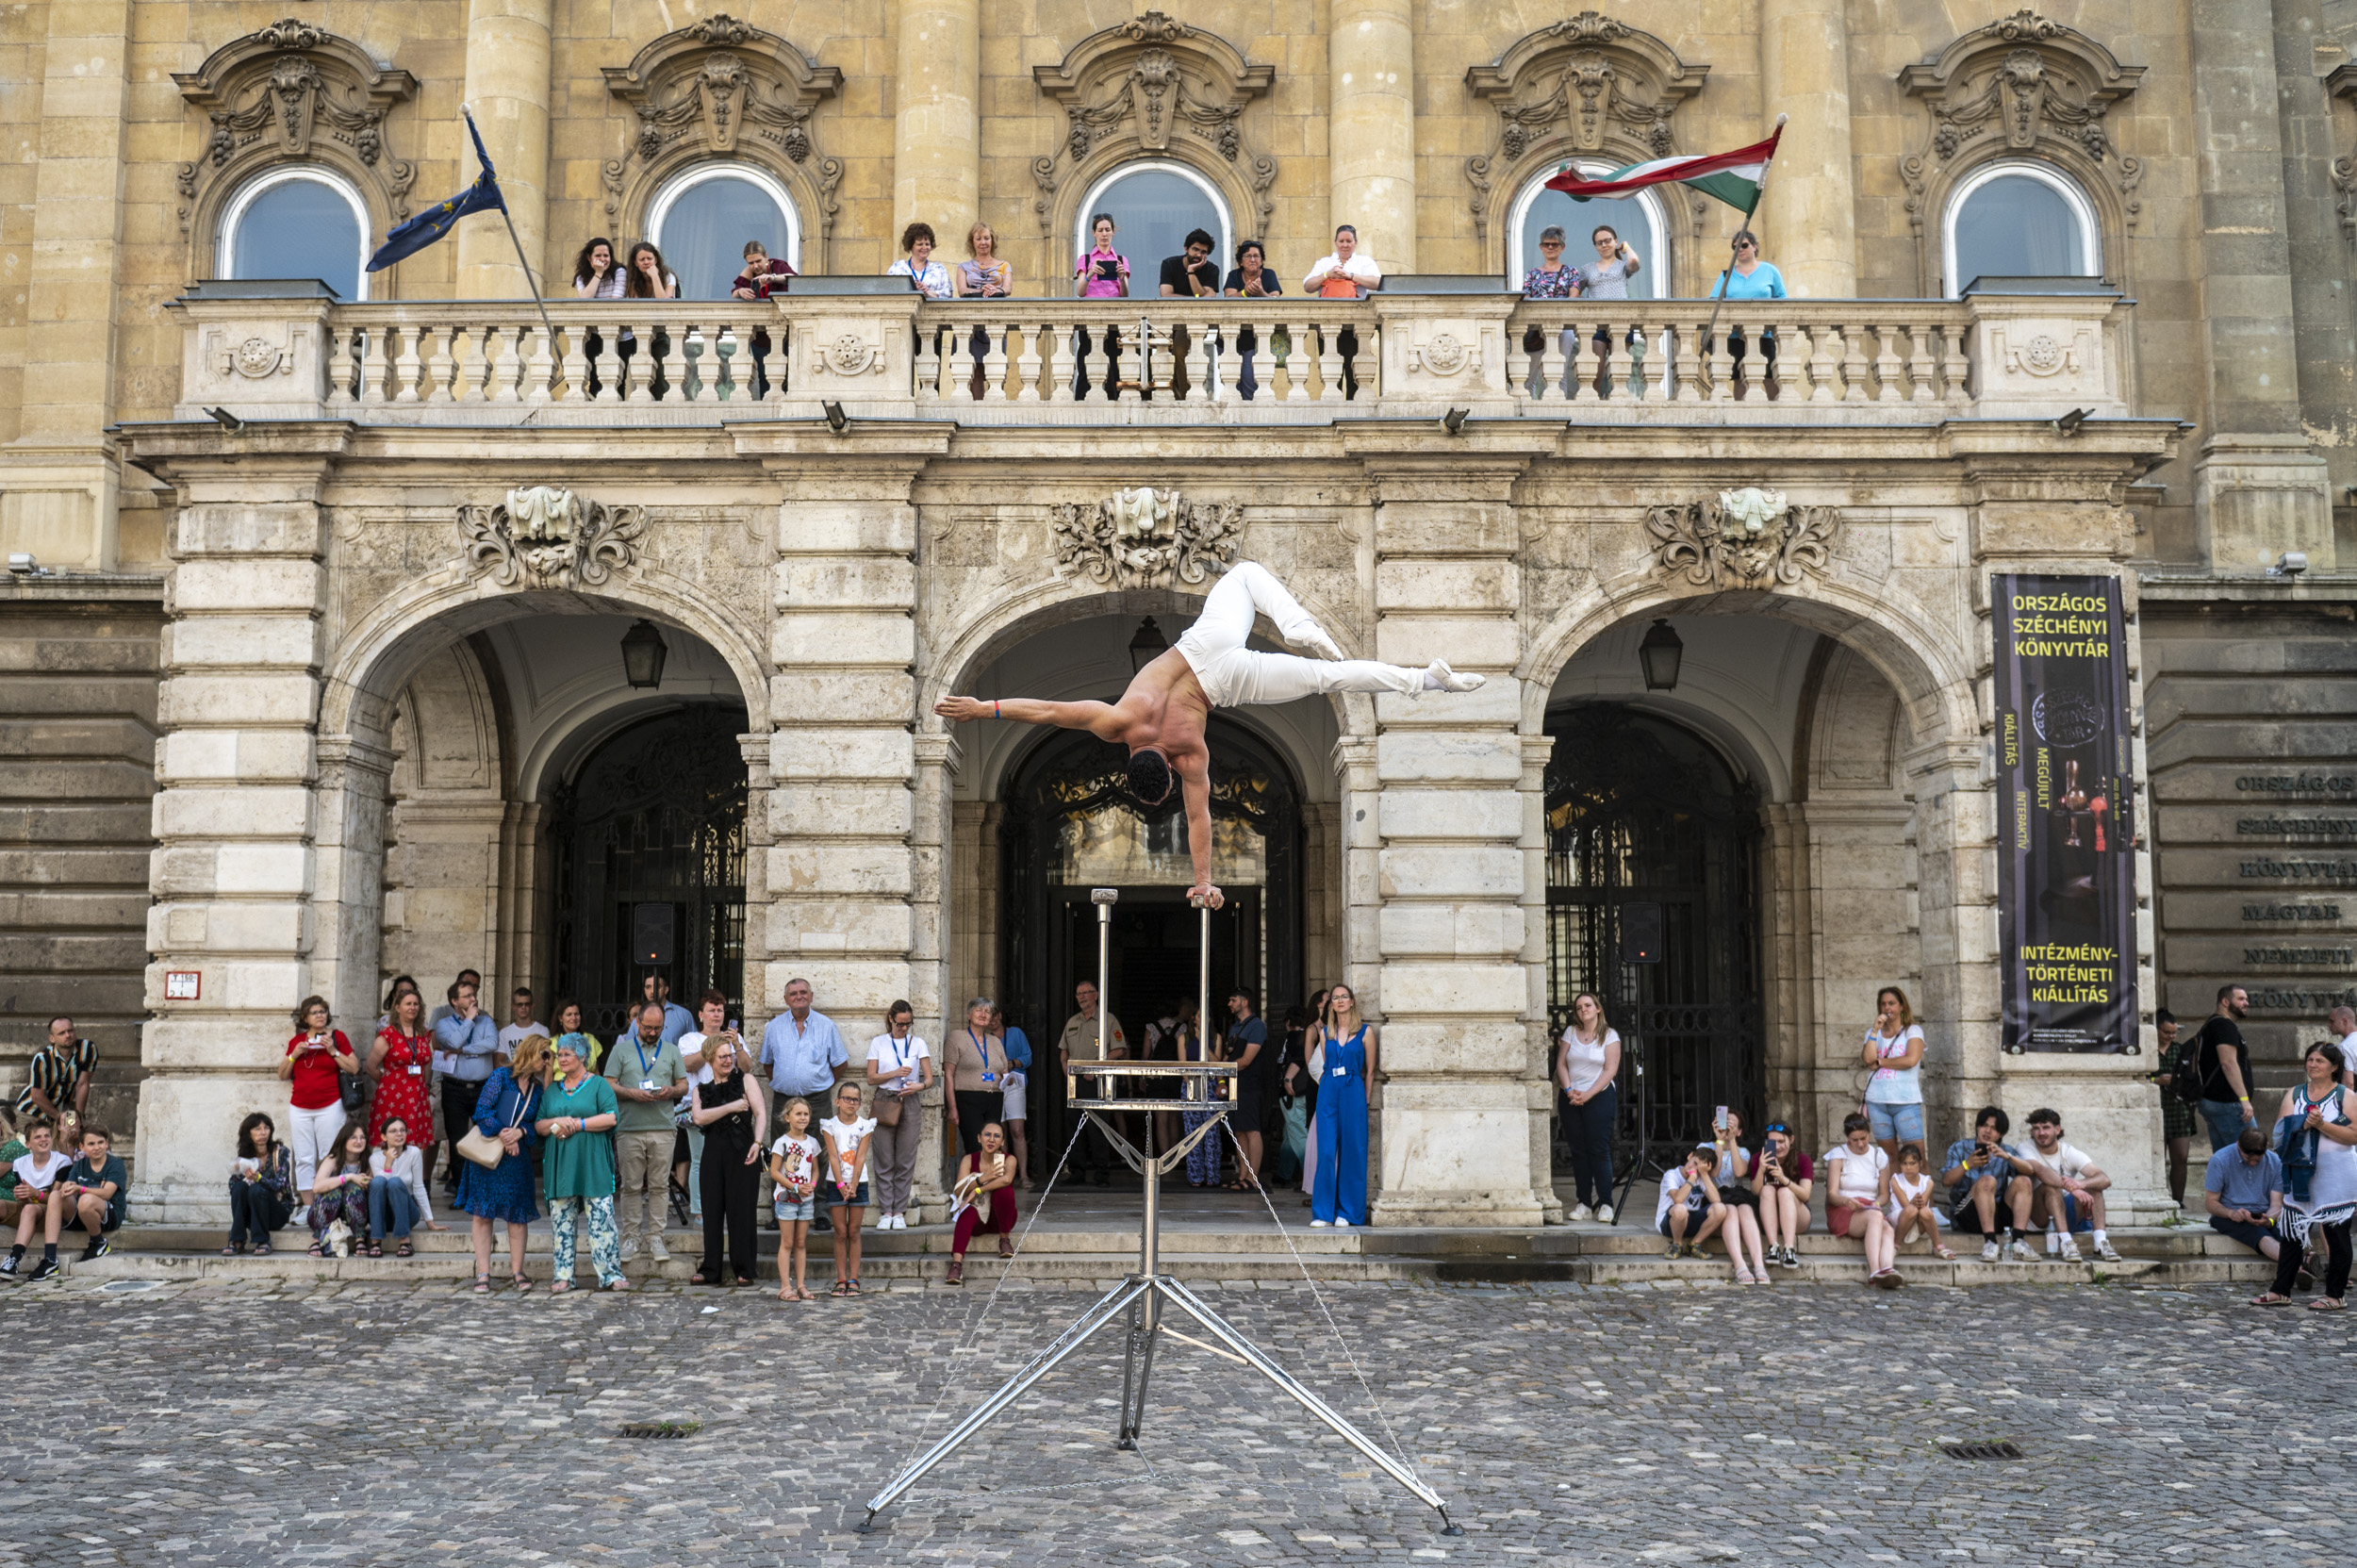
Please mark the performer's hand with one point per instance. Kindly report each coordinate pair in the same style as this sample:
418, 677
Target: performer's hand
961, 708
1205, 896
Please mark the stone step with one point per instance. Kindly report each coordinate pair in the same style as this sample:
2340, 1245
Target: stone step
928, 1239
2157, 1242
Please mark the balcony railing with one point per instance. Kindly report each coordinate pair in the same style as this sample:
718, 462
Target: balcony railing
1274, 361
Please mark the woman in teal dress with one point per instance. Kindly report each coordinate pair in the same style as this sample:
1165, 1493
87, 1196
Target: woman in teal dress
576, 1113
1339, 1196
505, 1111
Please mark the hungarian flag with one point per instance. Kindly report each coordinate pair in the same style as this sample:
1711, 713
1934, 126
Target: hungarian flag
1733, 178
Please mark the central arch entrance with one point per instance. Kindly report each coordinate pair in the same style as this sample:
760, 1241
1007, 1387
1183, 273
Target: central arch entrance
1648, 825
1070, 824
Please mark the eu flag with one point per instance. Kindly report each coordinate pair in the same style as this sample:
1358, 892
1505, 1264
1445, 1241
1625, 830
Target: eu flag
435, 222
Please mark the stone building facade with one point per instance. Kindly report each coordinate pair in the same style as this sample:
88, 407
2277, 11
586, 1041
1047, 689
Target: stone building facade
313, 676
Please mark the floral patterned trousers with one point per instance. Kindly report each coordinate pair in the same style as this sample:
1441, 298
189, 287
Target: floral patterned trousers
605, 1236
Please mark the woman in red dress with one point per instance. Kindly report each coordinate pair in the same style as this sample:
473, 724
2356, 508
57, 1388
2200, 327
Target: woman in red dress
401, 1063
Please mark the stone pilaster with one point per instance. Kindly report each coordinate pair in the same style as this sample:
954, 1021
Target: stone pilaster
507, 85
237, 862
1371, 128
1454, 990
2259, 488
936, 132
1809, 217
59, 480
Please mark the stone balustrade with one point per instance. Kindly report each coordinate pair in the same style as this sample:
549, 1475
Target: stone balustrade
1182, 362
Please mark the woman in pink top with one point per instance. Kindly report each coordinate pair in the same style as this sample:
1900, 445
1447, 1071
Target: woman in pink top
1103, 274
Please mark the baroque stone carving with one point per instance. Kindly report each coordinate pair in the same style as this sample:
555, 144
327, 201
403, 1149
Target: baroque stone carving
1746, 538
1144, 538
551, 536
1586, 84
720, 87
2023, 85
292, 90
1153, 86
1444, 354
257, 358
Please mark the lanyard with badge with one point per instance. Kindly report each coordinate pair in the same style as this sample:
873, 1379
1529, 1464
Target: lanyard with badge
646, 1084
907, 1083
982, 1049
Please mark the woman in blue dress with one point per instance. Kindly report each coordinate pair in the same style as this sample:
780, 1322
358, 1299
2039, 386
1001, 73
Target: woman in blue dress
506, 1110
1339, 1194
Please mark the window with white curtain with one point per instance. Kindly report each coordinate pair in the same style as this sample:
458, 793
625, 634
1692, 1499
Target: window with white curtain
299, 222
701, 220
1153, 206
2018, 219
1637, 219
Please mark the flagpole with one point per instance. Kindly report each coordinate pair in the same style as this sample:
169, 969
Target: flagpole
530, 281
1726, 273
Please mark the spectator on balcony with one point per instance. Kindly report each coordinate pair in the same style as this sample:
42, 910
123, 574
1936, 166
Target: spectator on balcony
762, 278
1607, 278
1193, 275
1250, 279
1555, 280
1749, 278
926, 275
1103, 274
644, 277
981, 276
1345, 273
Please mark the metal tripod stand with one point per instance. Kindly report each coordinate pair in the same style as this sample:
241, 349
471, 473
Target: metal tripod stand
1141, 1297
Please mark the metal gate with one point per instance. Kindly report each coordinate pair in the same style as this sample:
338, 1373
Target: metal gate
1641, 810
655, 815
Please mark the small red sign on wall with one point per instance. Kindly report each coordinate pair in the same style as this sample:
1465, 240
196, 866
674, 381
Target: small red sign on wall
183, 984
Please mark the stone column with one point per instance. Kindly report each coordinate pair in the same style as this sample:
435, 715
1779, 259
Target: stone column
846, 876
936, 136
507, 85
1807, 219
241, 851
1371, 128
2259, 488
58, 478
1454, 989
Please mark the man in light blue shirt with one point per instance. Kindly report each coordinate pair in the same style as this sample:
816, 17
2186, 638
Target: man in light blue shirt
677, 1020
2243, 1189
800, 1051
465, 1054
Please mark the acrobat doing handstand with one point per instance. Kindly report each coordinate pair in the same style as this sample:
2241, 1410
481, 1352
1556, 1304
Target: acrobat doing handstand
1160, 716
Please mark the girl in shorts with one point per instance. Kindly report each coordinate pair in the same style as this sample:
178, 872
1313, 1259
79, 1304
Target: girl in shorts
845, 1136
794, 1166
1912, 1204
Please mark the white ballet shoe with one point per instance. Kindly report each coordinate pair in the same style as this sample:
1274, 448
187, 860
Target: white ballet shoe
1438, 676
1311, 635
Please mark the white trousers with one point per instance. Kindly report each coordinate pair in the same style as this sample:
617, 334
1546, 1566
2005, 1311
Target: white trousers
313, 1135
1233, 676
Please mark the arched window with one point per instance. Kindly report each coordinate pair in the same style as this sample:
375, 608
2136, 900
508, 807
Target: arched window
2018, 219
701, 220
299, 222
1638, 220
1153, 206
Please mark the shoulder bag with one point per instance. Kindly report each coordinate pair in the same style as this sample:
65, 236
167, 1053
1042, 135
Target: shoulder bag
485, 1150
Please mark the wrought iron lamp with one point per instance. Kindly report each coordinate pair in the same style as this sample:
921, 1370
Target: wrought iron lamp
1660, 654
1148, 646
643, 654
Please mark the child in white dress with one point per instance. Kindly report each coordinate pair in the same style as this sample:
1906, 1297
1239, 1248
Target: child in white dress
1911, 1201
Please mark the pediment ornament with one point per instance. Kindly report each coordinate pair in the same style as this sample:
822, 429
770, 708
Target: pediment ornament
1742, 538
545, 536
1146, 538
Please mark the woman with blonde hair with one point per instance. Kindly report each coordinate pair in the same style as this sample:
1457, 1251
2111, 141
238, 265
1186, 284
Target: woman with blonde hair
1346, 1097
1894, 1049
981, 276
504, 1110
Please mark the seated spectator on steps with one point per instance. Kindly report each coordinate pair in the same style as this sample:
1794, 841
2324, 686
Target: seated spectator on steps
1786, 1178
261, 1186
340, 1193
2066, 1189
1912, 1206
1735, 1173
2244, 1192
11, 1150
102, 1186
1980, 1177
985, 1198
397, 1192
1857, 1197
1690, 1209
42, 1197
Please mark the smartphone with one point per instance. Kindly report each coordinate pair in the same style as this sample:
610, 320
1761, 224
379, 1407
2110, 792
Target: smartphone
1719, 1119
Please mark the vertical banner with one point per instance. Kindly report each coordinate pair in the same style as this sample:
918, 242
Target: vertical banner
2065, 901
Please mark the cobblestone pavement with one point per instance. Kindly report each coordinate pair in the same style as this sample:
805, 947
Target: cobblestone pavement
376, 1425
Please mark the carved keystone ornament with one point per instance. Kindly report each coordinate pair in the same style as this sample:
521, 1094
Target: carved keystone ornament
551, 536
1747, 539
1146, 538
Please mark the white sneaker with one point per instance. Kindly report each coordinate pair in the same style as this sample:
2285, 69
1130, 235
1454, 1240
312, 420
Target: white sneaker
656, 1250
2068, 1253
1990, 1252
900, 1222
1438, 675
1342, 1225
2104, 1251
2019, 1252
1583, 1214
1318, 1224
1604, 1213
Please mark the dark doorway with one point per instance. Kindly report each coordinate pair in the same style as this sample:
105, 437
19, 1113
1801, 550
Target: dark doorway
1070, 824
654, 817
1643, 810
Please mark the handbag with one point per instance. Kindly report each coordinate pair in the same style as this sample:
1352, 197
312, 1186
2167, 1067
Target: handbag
485, 1150
356, 1091
888, 1110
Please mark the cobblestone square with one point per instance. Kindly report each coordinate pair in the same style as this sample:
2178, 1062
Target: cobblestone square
236, 1424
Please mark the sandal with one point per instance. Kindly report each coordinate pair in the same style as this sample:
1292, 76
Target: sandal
520, 1281
1945, 1253
261, 1249
1742, 1276
2328, 1304
803, 1295
317, 1251
403, 1250
560, 1287
2269, 1298
855, 1286
234, 1250
842, 1287
741, 1281
785, 1293
621, 1283
376, 1249
697, 1280
482, 1284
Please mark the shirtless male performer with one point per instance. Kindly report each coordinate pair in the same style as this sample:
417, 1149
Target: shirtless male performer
1160, 716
